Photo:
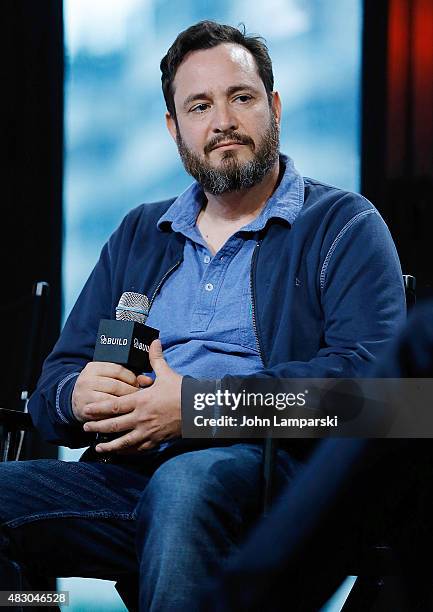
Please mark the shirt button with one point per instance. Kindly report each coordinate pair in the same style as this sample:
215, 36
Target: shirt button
208, 287
206, 259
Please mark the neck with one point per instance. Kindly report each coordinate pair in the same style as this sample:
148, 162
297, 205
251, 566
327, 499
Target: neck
246, 203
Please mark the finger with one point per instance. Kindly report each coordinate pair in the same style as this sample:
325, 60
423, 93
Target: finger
156, 358
114, 387
144, 380
111, 425
112, 370
131, 439
111, 407
99, 398
134, 450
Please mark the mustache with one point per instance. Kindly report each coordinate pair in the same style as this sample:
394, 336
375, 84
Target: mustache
231, 137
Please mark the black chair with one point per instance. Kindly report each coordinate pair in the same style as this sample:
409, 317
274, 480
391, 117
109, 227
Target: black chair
381, 588
377, 588
16, 422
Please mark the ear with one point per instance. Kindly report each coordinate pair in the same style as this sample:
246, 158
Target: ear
276, 106
171, 126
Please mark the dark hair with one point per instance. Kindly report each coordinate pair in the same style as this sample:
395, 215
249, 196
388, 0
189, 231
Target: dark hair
205, 35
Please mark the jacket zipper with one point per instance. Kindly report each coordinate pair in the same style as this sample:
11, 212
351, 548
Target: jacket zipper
253, 305
269, 444
161, 282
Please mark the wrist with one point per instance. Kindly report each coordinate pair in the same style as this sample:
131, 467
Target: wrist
64, 394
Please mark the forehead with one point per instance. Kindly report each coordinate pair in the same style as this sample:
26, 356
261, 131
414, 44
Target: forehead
218, 67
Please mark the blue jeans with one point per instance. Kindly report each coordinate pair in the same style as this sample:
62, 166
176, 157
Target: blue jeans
171, 520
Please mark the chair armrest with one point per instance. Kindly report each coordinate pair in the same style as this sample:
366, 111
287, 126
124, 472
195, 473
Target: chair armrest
16, 420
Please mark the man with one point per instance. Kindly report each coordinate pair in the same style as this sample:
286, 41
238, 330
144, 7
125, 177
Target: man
253, 270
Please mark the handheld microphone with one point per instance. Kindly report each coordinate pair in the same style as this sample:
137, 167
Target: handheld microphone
125, 341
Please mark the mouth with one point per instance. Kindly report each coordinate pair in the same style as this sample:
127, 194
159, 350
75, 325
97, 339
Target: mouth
228, 145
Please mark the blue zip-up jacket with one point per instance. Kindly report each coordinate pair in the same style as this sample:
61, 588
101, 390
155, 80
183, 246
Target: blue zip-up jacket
327, 296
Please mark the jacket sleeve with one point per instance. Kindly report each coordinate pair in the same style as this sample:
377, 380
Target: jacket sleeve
50, 404
362, 302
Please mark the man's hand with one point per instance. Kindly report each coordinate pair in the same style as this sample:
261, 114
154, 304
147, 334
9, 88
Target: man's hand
148, 417
102, 381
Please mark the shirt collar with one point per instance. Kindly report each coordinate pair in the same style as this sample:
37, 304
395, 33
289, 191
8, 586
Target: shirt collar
285, 202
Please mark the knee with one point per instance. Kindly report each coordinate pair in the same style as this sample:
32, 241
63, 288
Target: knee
207, 483
177, 486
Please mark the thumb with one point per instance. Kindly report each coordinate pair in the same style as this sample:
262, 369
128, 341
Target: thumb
156, 358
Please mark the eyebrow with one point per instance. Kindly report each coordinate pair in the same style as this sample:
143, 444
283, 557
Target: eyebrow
229, 91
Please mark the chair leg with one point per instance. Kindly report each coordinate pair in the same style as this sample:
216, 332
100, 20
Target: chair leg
10, 575
12, 578
128, 589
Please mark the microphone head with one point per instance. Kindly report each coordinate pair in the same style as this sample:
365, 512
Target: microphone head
132, 307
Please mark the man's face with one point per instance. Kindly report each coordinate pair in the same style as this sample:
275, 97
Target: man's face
226, 132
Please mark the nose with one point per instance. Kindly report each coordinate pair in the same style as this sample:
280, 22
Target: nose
224, 119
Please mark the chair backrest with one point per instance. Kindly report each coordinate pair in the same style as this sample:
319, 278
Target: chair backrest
33, 364
14, 423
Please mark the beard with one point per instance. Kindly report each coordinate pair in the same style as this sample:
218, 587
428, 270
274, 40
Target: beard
233, 175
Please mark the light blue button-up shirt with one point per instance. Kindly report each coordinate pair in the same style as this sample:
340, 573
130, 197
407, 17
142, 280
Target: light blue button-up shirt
204, 309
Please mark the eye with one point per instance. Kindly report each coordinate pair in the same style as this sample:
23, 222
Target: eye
244, 98
200, 108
